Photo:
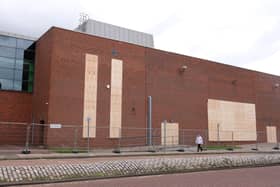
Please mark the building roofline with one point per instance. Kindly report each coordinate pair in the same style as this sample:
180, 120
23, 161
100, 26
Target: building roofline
173, 53
18, 35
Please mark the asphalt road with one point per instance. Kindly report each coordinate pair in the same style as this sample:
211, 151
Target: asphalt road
245, 177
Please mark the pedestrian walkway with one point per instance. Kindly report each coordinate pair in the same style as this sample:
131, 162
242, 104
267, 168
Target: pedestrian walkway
13, 153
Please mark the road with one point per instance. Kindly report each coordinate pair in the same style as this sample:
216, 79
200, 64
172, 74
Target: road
244, 177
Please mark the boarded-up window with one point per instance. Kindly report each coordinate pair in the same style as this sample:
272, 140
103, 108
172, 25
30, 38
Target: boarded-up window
116, 98
170, 134
90, 95
229, 121
271, 134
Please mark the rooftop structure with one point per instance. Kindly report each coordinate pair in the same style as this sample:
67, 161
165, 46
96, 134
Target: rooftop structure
114, 32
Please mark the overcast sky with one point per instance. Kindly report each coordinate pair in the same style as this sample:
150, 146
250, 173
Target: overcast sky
243, 33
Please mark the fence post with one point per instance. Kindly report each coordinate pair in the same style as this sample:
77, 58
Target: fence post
206, 139
32, 133
164, 127
183, 138
232, 141
277, 140
88, 120
119, 143
256, 148
26, 149
75, 150
218, 133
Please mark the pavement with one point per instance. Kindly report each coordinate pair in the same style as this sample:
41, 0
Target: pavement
14, 153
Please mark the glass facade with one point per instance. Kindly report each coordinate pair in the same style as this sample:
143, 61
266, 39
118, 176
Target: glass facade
17, 57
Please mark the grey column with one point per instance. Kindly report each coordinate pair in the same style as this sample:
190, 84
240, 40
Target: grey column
149, 121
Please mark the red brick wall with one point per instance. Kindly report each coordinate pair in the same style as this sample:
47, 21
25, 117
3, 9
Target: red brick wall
14, 107
43, 59
179, 97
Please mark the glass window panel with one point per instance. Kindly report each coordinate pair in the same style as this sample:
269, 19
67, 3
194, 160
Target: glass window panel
23, 44
7, 52
19, 64
20, 54
7, 62
17, 85
6, 84
18, 75
4, 59
7, 41
6, 73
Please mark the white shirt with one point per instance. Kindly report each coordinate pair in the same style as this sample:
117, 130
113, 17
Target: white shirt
199, 140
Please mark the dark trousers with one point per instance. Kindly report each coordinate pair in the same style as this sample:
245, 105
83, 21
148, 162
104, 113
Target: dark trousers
199, 148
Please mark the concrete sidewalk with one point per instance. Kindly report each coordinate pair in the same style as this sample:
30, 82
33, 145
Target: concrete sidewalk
14, 153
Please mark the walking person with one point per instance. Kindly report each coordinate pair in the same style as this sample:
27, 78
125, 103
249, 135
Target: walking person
199, 142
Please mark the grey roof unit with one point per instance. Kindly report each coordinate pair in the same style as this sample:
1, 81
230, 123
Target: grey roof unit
116, 33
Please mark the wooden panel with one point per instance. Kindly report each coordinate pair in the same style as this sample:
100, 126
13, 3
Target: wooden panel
229, 121
271, 134
90, 95
171, 134
116, 98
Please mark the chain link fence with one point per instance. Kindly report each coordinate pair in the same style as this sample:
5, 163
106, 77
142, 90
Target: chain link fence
75, 138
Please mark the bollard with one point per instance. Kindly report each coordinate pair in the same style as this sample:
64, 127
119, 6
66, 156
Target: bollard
26, 149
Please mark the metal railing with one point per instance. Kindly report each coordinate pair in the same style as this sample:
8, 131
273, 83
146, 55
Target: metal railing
78, 139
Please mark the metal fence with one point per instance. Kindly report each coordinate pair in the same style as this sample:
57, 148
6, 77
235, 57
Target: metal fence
76, 139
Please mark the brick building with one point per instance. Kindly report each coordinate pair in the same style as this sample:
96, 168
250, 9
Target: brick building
82, 79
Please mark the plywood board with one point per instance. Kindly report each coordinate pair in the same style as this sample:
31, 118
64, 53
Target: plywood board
271, 134
229, 121
170, 134
90, 95
116, 98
